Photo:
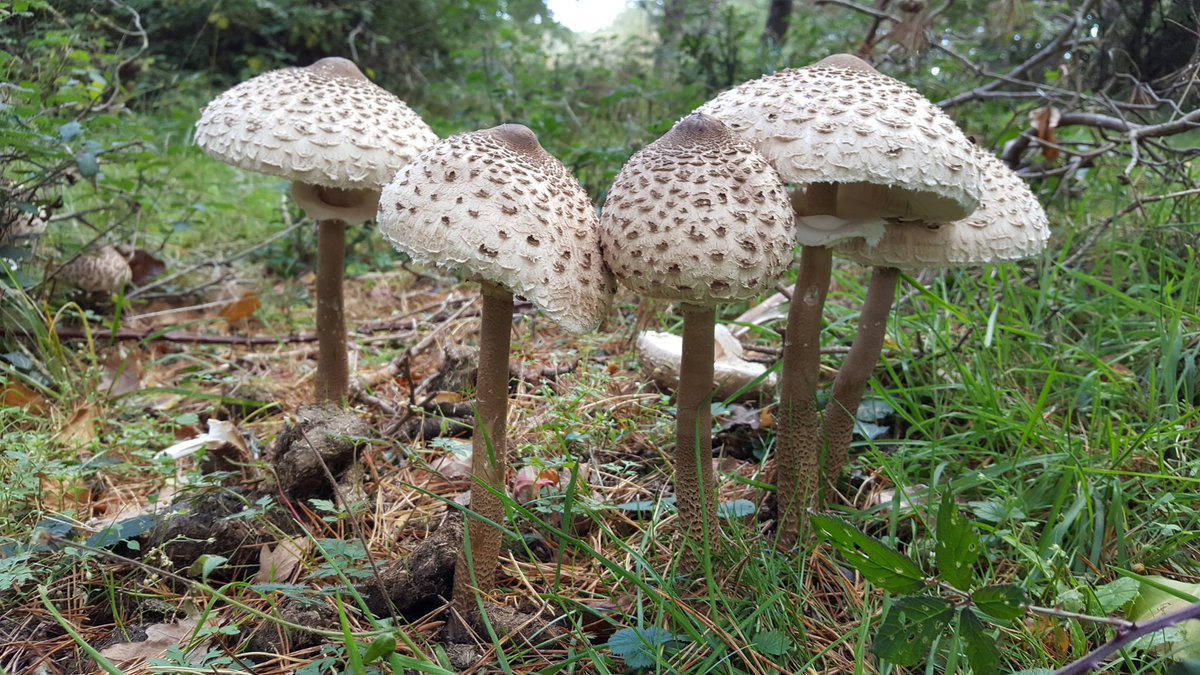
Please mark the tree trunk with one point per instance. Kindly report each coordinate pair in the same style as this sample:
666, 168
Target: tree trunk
778, 18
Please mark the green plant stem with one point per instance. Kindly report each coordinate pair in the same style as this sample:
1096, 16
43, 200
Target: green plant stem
695, 481
798, 434
852, 377
333, 366
489, 458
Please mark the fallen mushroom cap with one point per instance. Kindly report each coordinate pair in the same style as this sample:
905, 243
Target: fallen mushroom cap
697, 216
325, 124
105, 270
493, 205
893, 153
1009, 225
661, 353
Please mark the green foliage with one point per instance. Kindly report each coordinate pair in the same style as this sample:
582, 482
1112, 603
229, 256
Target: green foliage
642, 648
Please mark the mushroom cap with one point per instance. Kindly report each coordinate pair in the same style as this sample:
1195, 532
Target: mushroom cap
493, 205
892, 152
325, 124
105, 270
1008, 225
697, 216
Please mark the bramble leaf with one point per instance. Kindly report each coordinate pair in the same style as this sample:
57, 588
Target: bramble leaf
957, 545
911, 626
879, 564
1003, 602
980, 648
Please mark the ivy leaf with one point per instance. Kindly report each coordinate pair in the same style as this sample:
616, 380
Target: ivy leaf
1003, 602
980, 648
640, 647
879, 564
957, 545
911, 626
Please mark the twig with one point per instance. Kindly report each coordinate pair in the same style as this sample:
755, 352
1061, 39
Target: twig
1097, 656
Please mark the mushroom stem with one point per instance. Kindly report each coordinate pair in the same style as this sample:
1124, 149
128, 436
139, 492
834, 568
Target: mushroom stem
798, 438
489, 458
695, 482
852, 378
333, 367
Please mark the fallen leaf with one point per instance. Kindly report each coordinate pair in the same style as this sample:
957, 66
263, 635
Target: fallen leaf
144, 266
244, 308
122, 372
80, 429
16, 395
159, 638
1044, 121
279, 565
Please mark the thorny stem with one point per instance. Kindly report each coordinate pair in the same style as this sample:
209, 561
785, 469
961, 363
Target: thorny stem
695, 482
797, 440
1132, 632
489, 458
852, 378
333, 367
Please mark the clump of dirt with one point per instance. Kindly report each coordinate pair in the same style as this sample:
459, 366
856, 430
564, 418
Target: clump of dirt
417, 584
200, 523
323, 435
270, 638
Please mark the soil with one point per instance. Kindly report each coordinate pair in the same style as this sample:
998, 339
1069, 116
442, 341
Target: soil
334, 434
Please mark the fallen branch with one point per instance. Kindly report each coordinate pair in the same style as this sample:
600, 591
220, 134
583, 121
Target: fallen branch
1133, 132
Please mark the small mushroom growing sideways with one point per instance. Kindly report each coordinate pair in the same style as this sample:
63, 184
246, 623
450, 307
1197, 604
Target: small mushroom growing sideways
1008, 225
493, 206
697, 217
339, 138
103, 271
867, 147
661, 353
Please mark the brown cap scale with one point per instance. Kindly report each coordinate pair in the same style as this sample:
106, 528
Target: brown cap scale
1008, 225
697, 216
493, 205
893, 153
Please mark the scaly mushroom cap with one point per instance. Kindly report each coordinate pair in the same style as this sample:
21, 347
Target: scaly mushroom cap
104, 270
661, 354
325, 125
1009, 225
494, 205
893, 153
697, 216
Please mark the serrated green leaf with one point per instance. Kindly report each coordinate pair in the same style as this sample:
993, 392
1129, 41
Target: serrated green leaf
980, 648
639, 647
1003, 602
911, 626
381, 648
772, 643
957, 545
1117, 593
879, 564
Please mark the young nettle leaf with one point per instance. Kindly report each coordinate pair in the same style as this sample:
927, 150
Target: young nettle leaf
980, 648
879, 564
957, 545
772, 643
1003, 602
911, 626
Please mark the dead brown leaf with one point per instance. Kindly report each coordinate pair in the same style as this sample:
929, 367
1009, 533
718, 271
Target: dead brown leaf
144, 266
244, 308
16, 395
80, 428
1044, 121
122, 372
279, 565
159, 637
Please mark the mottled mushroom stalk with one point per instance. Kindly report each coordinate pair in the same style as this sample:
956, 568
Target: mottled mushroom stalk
866, 147
700, 218
492, 205
339, 138
1008, 225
